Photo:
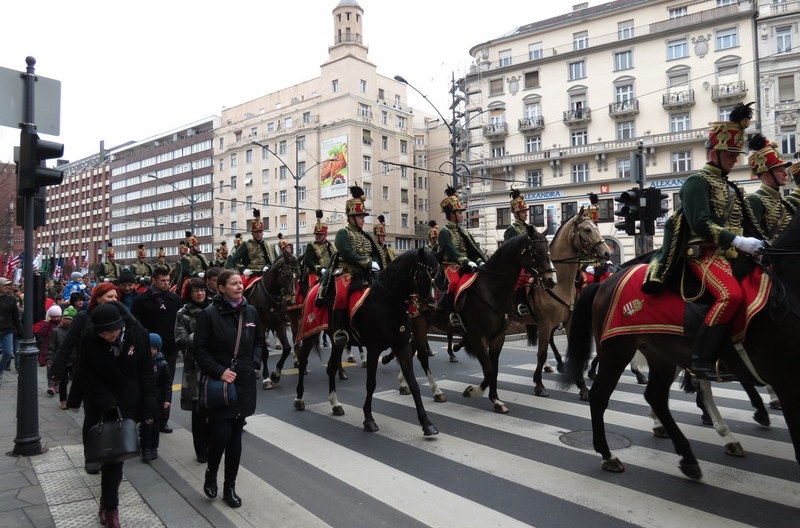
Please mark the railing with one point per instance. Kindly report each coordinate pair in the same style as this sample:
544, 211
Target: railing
496, 129
528, 124
677, 99
577, 115
623, 108
731, 90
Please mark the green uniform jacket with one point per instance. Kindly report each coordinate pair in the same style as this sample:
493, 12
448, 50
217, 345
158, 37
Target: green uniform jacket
318, 256
251, 255
516, 228
356, 249
771, 213
142, 269
108, 270
456, 246
190, 265
794, 199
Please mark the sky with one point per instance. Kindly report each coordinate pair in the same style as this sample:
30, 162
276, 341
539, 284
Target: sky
133, 69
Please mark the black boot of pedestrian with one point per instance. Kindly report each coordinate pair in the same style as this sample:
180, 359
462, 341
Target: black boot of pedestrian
210, 484
230, 497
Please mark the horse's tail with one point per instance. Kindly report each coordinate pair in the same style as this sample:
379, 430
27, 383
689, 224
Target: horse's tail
533, 334
579, 342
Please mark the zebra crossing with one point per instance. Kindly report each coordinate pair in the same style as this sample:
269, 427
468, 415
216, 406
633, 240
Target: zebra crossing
487, 469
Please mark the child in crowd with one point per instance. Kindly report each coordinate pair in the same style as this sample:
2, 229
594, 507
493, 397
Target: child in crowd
148, 432
56, 338
42, 331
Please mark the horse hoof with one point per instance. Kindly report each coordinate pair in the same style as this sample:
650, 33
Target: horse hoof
386, 359
405, 391
584, 395
296, 364
542, 392
775, 405
363, 364
591, 374
641, 379
299, 405
500, 408
612, 465
343, 375
275, 376
734, 449
453, 359
762, 418
548, 368
429, 430
351, 359
706, 419
472, 392
258, 374
370, 426
267, 384
560, 368
691, 470
660, 432
338, 410
439, 398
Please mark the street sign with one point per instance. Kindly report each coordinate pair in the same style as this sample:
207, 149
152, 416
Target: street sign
47, 100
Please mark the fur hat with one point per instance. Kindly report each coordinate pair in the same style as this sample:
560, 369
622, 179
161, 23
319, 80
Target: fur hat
729, 135
126, 277
380, 227
451, 203
320, 227
237, 240
140, 252
109, 249
517, 202
433, 231
161, 252
256, 224
355, 205
763, 155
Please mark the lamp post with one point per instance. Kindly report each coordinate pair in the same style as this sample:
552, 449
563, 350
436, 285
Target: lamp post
451, 125
296, 178
192, 200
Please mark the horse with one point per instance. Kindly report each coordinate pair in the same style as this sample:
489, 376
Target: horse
770, 342
576, 239
272, 295
485, 305
381, 322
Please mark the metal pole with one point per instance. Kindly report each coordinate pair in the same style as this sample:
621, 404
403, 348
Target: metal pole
28, 442
454, 133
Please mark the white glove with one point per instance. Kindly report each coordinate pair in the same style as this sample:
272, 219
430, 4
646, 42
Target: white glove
201, 274
748, 244
105, 280
247, 272
83, 286
266, 269
375, 266
322, 271
471, 265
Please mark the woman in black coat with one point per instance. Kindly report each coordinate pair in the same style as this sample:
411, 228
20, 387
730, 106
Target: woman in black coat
214, 350
116, 369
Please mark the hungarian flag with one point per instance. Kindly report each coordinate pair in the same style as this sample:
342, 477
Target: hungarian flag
73, 261
58, 269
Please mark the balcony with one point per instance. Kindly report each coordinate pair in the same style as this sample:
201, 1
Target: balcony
728, 91
625, 108
577, 116
531, 124
495, 130
674, 100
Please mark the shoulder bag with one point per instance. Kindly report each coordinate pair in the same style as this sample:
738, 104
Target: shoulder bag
112, 440
218, 394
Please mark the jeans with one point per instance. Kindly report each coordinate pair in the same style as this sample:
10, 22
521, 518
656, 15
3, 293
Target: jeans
7, 344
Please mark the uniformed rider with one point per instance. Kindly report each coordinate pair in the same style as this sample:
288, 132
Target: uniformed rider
253, 257
519, 210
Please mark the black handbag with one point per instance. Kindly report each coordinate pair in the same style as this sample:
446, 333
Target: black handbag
112, 440
215, 393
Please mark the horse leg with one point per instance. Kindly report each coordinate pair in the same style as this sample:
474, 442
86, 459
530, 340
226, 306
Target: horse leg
761, 416
387, 358
699, 400
407, 367
556, 354
774, 402
662, 375
302, 361
604, 384
362, 356
334, 366
495, 347
372, 369
350, 357
541, 360
275, 376
729, 442
438, 394
479, 351
267, 383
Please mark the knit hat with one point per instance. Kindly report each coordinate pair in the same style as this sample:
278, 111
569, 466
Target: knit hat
69, 312
729, 135
380, 227
155, 342
764, 155
355, 205
256, 224
54, 311
451, 203
75, 275
433, 232
517, 202
106, 317
320, 227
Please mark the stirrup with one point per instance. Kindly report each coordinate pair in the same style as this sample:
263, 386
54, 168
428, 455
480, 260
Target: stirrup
340, 337
455, 320
523, 310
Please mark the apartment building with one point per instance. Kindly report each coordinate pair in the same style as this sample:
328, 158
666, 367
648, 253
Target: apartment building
11, 235
557, 107
297, 150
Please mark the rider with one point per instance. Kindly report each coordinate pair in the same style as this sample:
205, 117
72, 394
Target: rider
140, 268
161, 260
519, 209
221, 255
387, 253
794, 196
704, 234
358, 256
253, 257
433, 236
191, 264
458, 252
317, 257
109, 270
771, 211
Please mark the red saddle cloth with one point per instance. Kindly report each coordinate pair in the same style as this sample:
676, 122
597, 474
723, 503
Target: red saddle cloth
464, 283
633, 311
314, 319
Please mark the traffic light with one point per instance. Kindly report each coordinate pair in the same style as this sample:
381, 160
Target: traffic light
629, 209
655, 204
31, 172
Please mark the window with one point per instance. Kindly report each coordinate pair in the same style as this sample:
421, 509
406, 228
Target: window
368, 189
335, 86
265, 199
221, 164
283, 197
623, 60
498, 149
401, 122
721, 3
403, 173
284, 222
264, 153
678, 82
364, 110
385, 142
384, 168
535, 51
234, 164
624, 168
300, 142
533, 177
271, 127
577, 70
381, 95
496, 87
580, 173
533, 110
727, 38
287, 123
533, 144
248, 156
234, 205
788, 138
264, 175
234, 226
680, 123
384, 117
282, 148
397, 101
682, 161
623, 93
362, 84
626, 130
301, 168
366, 136
568, 210
233, 182
676, 12
677, 49
504, 58
221, 143
366, 163
625, 30
783, 39
532, 79
306, 117
404, 196
385, 193
282, 172
580, 40
301, 194
403, 146
254, 131
504, 217
786, 89
248, 179
579, 138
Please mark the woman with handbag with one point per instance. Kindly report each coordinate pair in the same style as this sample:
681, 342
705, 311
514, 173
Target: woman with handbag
116, 370
228, 340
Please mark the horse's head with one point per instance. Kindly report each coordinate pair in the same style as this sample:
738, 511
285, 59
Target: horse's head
424, 274
586, 237
282, 277
536, 258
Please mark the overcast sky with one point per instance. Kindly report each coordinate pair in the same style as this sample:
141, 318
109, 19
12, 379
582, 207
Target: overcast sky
130, 69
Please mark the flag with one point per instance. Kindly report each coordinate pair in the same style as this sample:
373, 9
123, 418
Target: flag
13, 262
58, 269
37, 261
45, 265
73, 261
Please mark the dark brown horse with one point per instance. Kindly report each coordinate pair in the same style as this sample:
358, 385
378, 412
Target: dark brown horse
484, 307
770, 342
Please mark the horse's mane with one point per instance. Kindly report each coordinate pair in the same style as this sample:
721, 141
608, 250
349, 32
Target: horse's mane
511, 247
395, 277
558, 231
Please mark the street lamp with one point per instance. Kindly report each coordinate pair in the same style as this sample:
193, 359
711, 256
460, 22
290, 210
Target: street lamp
451, 126
192, 200
296, 178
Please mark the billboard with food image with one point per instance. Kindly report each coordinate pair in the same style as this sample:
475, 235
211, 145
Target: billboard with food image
333, 176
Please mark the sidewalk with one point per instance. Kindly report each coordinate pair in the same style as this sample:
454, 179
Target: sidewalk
53, 490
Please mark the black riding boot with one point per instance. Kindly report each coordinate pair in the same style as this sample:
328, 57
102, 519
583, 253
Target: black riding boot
522, 303
338, 328
705, 352
447, 304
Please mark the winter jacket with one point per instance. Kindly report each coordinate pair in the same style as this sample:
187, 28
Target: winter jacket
158, 317
9, 315
214, 340
184, 339
56, 338
42, 330
162, 380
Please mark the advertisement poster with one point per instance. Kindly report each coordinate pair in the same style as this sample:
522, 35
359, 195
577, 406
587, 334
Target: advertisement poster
333, 176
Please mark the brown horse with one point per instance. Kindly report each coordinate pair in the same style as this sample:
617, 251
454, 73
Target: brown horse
770, 341
578, 238
484, 307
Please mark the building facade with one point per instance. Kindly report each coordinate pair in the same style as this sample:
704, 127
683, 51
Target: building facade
12, 240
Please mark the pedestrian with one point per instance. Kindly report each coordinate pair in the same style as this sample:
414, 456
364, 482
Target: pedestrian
127, 288
157, 309
78, 300
58, 336
42, 331
116, 366
162, 383
10, 324
75, 285
211, 281
196, 300
227, 321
